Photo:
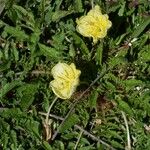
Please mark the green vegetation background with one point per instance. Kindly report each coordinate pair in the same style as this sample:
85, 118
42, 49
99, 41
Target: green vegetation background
37, 34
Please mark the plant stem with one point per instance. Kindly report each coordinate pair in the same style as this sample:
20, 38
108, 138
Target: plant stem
92, 3
128, 133
49, 109
47, 122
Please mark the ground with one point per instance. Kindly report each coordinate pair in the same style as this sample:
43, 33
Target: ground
110, 108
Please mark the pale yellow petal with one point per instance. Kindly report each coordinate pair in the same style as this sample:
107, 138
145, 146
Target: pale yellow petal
61, 88
95, 12
94, 24
75, 71
61, 70
66, 79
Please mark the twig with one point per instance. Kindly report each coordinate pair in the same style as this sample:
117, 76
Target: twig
36, 72
128, 133
73, 105
93, 137
80, 135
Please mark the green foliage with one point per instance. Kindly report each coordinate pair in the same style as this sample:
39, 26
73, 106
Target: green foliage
26, 93
35, 35
72, 120
49, 52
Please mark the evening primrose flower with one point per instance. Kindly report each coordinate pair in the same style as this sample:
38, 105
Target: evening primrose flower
94, 24
66, 79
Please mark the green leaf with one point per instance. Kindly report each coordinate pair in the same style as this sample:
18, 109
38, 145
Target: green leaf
2, 23
87, 148
15, 32
110, 86
58, 41
46, 146
117, 144
78, 6
122, 9
57, 15
11, 113
34, 39
72, 52
99, 53
15, 51
32, 127
27, 93
49, 52
21, 10
4, 139
93, 99
132, 83
9, 86
124, 106
58, 4
141, 28
24, 15
4, 66
69, 122
4, 133
144, 55
2, 6
4, 126
81, 44
13, 138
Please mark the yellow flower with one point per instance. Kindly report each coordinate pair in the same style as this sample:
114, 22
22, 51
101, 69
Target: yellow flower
94, 24
66, 79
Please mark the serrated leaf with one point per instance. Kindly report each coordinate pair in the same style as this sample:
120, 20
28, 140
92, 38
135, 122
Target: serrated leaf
113, 8
117, 145
124, 106
20, 9
140, 28
57, 15
122, 9
27, 95
49, 52
72, 52
4, 139
15, 32
9, 86
99, 53
87, 148
15, 51
13, 138
4, 66
93, 99
110, 86
2, 6
58, 41
46, 146
81, 44
69, 122
113, 133
24, 15
11, 113
32, 127
2, 23
78, 6
132, 83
